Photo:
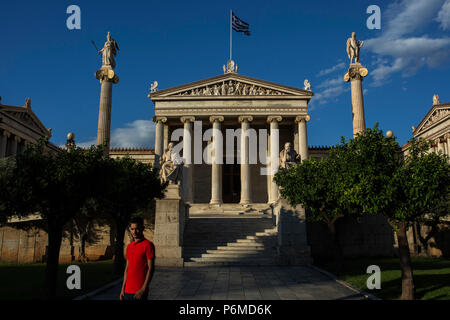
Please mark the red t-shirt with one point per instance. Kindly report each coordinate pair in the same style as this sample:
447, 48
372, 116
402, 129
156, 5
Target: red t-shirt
137, 256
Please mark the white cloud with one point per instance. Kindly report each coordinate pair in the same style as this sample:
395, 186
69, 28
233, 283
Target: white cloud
137, 134
331, 90
444, 16
332, 69
399, 53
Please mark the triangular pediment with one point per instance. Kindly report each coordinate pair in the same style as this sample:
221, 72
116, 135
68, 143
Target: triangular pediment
26, 117
229, 85
437, 114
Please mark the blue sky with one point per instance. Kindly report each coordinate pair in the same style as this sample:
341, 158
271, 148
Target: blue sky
176, 42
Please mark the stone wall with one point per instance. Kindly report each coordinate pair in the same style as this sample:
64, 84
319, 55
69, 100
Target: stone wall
29, 246
366, 236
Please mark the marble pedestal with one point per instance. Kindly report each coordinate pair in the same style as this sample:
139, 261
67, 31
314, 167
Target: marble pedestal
171, 216
292, 244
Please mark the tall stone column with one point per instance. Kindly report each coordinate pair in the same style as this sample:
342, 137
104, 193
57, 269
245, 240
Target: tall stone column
217, 160
159, 138
107, 77
355, 76
302, 136
447, 139
4, 142
274, 155
440, 145
187, 155
245, 165
14, 145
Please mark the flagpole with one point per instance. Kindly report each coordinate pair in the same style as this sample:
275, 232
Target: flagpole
231, 34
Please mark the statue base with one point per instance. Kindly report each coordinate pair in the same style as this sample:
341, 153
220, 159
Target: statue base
292, 244
171, 217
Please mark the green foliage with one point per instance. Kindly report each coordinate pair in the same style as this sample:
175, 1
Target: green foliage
312, 183
126, 186
54, 185
7, 166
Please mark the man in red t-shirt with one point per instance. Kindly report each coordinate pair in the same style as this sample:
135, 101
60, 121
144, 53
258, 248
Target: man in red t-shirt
138, 270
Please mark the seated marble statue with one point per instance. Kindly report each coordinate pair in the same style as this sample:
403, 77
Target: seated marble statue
288, 156
171, 166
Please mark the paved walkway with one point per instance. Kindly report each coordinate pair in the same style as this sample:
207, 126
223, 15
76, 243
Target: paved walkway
241, 283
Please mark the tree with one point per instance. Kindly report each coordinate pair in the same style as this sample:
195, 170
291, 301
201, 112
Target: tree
369, 175
402, 189
127, 186
7, 166
314, 185
55, 185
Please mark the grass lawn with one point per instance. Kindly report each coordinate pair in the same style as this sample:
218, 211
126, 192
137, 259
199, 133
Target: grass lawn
431, 276
25, 281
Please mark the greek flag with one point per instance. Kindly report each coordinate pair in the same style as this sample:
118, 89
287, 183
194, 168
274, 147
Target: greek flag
239, 25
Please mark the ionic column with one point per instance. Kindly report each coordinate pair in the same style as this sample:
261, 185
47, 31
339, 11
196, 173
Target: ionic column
107, 77
447, 138
159, 138
14, 144
187, 156
274, 155
302, 136
440, 145
4, 142
245, 166
355, 76
217, 159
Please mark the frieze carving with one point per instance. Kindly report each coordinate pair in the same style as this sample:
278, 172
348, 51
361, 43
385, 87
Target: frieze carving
435, 117
231, 88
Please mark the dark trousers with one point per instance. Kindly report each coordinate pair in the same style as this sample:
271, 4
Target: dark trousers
130, 296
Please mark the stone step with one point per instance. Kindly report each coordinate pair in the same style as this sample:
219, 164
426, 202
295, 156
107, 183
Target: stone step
227, 257
227, 248
235, 261
206, 264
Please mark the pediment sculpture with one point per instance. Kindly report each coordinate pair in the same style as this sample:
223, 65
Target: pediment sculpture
231, 88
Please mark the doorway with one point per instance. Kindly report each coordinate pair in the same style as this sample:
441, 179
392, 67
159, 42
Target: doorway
231, 183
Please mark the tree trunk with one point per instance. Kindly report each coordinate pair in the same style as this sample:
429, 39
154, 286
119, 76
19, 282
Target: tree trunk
119, 259
337, 250
83, 238
51, 269
405, 262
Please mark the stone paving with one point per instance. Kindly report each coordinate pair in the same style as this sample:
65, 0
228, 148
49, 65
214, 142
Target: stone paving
241, 283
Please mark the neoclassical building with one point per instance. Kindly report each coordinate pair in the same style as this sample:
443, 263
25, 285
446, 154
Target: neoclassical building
435, 126
20, 126
226, 103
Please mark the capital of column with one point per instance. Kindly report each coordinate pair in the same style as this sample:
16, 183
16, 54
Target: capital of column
159, 119
6, 133
447, 136
302, 118
272, 118
245, 118
437, 141
17, 139
355, 72
212, 119
187, 119
107, 74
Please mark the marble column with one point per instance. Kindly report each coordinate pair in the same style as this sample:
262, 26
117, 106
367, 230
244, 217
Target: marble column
447, 139
187, 156
245, 165
355, 75
4, 143
274, 155
302, 136
14, 145
107, 77
159, 138
440, 145
217, 160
